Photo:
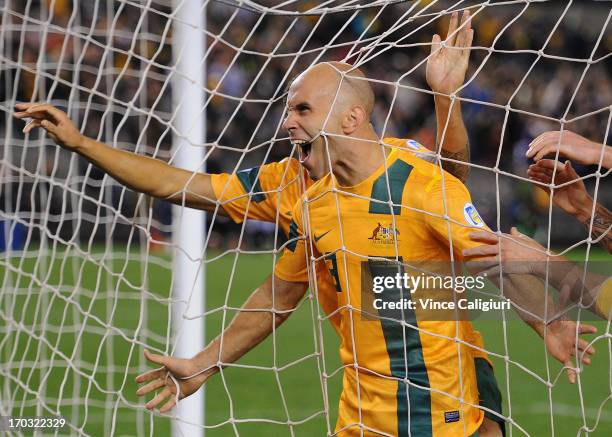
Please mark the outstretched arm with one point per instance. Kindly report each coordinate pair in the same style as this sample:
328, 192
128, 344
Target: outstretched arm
520, 258
140, 173
268, 307
446, 69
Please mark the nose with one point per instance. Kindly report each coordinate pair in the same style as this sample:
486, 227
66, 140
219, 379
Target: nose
289, 122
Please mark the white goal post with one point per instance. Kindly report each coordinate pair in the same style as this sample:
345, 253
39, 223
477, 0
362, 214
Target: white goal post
93, 272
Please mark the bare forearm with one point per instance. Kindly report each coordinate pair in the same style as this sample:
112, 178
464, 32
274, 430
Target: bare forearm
254, 322
601, 228
452, 136
150, 176
533, 302
607, 161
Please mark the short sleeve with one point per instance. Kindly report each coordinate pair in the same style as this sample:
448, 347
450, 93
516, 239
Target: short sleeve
293, 265
253, 193
451, 215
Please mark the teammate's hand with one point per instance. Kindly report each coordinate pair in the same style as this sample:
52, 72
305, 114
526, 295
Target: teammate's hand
518, 253
570, 145
572, 198
187, 374
560, 340
57, 124
446, 66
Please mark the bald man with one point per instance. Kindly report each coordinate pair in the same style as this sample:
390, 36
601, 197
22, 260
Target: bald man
376, 398
265, 202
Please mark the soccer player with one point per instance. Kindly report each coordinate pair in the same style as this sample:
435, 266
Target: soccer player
403, 375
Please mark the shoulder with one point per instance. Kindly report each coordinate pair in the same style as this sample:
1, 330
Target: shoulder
427, 180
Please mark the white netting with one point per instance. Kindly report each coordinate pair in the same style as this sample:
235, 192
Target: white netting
87, 264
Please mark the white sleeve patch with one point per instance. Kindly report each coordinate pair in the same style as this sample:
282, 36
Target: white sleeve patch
471, 216
413, 145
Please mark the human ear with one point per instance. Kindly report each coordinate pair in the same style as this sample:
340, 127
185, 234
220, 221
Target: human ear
354, 117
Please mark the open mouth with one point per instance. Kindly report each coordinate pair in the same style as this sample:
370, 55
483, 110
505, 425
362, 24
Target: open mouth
304, 148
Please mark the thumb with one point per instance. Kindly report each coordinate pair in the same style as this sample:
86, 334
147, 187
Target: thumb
435, 43
515, 232
48, 126
157, 359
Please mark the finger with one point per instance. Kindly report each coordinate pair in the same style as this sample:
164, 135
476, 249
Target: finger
569, 169
158, 399
484, 236
535, 172
584, 347
152, 386
462, 36
468, 44
586, 329
157, 359
452, 26
435, 43
549, 165
50, 110
26, 105
50, 127
484, 250
545, 150
31, 125
535, 146
571, 373
168, 405
151, 374
540, 173
22, 114
515, 232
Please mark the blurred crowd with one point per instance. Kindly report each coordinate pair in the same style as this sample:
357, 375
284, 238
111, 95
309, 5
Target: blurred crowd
532, 65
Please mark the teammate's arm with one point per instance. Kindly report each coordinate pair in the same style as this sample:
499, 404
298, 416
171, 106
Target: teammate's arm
518, 254
268, 307
534, 305
573, 198
140, 173
446, 69
572, 146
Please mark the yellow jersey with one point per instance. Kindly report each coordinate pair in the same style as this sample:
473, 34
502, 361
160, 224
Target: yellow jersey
404, 375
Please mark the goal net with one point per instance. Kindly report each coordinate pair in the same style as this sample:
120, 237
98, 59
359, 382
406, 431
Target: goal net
89, 273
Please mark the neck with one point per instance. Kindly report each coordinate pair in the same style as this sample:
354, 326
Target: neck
358, 159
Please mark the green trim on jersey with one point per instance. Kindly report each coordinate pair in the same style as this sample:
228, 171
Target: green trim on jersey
398, 174
250, 182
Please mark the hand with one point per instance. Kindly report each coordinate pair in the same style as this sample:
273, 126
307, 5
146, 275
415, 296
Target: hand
572, 198
569, 144
446, 66
518, 253
186, 372
57, 124
560, 341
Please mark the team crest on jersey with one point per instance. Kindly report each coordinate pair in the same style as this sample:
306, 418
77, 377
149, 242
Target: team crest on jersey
384, 234
472, 216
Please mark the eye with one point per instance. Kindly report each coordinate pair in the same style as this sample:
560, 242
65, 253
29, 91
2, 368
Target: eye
302, 109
